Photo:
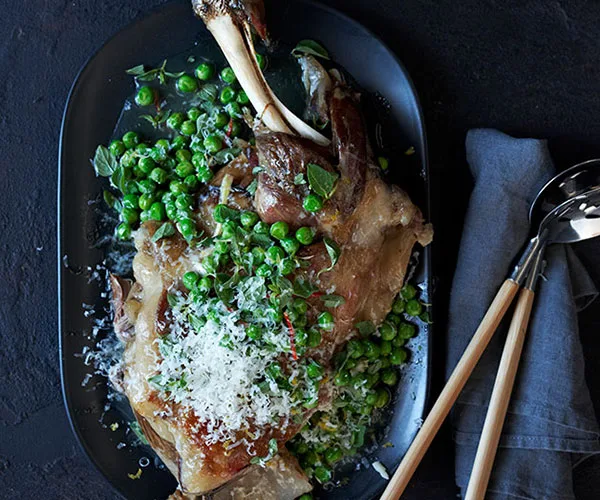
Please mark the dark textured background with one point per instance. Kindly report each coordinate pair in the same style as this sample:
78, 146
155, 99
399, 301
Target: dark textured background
528, 67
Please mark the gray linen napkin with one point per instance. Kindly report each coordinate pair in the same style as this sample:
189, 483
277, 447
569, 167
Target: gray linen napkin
551, 425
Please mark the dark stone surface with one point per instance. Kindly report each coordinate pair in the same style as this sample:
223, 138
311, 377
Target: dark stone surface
530, 68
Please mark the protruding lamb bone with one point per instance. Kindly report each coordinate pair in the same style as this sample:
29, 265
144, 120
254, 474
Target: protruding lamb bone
230, 23
318, 85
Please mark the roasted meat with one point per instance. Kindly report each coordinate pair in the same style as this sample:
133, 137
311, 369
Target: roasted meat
371, 226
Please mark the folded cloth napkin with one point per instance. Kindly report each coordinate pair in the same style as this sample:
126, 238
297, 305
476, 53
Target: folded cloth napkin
550, 425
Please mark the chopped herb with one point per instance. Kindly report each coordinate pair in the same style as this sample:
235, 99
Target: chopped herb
299, 180
105, 163
112, 201
252, 187
333, 300
137, 430
262, 461
172, 300
257, 170
383, 163
158, 119
304, 288
410, 151
321, 181
310, 47
334, 252
164, 231
137, 475
141, 74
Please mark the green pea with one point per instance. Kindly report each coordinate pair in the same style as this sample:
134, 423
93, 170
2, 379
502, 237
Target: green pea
301, 338
322, 474
275, 254
227, 95
187, 84
258, 255
130, 215
286, 266
205, 71
175, 120
198, 160
383, 397
275, 315
261, 228
128, 159
190, 279
290, 245
144, 216
228, 230
398, 341
254, 332
248, 219
398, 356
145, 96
187, 228
205, 174
131, 187
333, 454
177, 187
312, 203
234, 110
131, 139
414, 307
386, 348
389, 376
184, 202
314, 370
242, 98
171, 210
184, 169
300, 306
131, 201
183, 155
325, 321
387, 330
221, 119
193, 113
384, 363
408, 292
279, 230
117, 148
236, 128
180, 142
314, 338
342, 378
228, 76
371, 398
213, 144
221, 247
262, 61
205, 284
355, 348
123, 231
188, 127
305, 235
407, 331
147, 186
394, 319
372, 350
159, 175
157, 211
145, 200
192, 182
264, 271
146, 165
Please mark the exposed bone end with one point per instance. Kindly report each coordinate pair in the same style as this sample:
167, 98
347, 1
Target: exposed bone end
122, 323
318, 85
250, 12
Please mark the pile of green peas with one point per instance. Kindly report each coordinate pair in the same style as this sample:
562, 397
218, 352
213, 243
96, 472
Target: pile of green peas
367, 371
159, 179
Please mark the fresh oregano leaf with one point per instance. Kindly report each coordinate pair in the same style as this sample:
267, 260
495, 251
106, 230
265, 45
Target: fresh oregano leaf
105, 162
164, 231
304, 288
320, 180
334, 252
332, 300
312, 48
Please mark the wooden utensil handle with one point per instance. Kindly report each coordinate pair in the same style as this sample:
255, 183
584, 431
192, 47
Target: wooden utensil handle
505, 379
448, 396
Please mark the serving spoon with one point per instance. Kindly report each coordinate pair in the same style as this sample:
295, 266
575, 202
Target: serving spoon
560, 189
574, 220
